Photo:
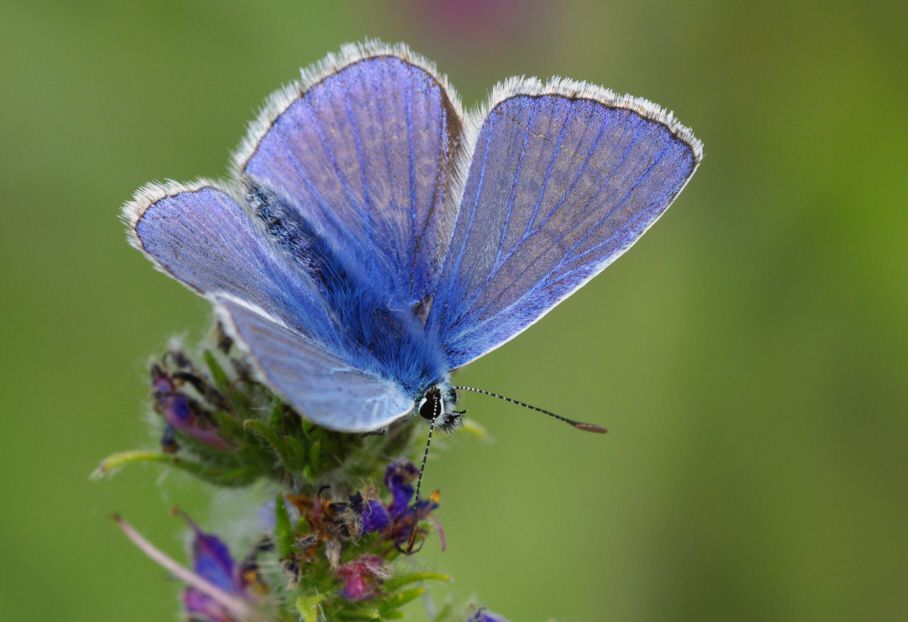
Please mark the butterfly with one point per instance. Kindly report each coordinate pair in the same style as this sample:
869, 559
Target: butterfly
373, 237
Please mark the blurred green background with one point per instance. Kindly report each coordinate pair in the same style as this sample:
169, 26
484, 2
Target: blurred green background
749, 356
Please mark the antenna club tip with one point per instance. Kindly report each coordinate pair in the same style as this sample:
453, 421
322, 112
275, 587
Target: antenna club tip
590, 427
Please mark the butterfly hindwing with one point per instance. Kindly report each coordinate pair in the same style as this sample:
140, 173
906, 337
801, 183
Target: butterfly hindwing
329, 390
560, 184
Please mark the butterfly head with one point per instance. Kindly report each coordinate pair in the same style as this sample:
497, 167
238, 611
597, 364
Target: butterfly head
437, 405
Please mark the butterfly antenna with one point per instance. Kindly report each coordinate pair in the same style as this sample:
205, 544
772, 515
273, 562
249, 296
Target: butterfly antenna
586, 427
422, 468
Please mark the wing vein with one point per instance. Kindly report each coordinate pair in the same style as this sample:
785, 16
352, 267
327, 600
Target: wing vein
498, 266
513, 193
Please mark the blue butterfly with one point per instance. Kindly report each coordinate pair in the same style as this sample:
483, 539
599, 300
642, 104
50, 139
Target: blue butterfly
374, 238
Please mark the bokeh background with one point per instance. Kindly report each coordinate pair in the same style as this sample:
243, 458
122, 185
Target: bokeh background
749, 355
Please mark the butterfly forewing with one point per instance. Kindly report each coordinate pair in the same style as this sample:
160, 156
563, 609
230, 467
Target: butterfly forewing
364, 154
202, 237
559, 186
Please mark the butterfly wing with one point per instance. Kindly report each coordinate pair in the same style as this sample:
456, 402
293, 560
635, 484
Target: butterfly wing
564, 178
362, 149
201, 236
326, 388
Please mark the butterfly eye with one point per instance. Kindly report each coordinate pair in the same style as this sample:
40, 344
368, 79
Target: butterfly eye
428, 408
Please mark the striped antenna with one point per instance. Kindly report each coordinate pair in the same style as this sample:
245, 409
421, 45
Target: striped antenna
422, 467
586, 427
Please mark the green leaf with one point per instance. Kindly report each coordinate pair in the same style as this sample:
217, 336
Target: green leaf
360, 613
445, 612
394, 583
399, 599
113, 463
296, 452
283, 530
305, 429
227, 425
264, 432
217, 372
315, 450
277, 414
307, 606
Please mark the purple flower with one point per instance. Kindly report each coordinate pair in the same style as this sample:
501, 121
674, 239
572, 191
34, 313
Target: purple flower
396, 520
484, 615
399, 478
374, 517
217, 591
362, 577
181, 412
212, 561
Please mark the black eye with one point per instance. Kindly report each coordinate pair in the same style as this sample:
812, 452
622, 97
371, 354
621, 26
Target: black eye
429, 407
